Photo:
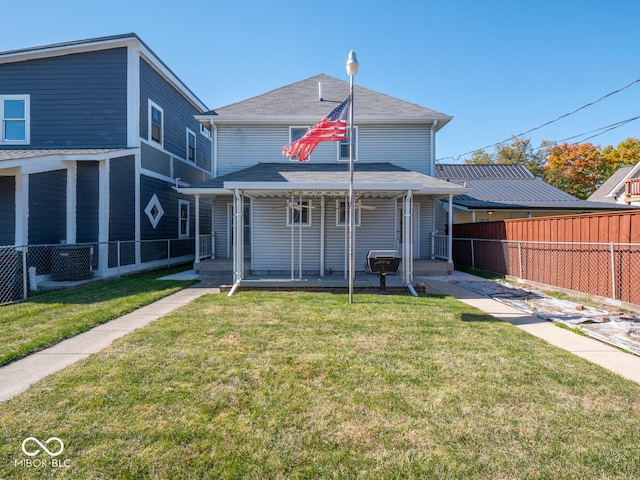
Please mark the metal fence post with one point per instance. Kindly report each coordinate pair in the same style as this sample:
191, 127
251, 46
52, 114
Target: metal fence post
168, 252
118, 244
613, 272
520, 257
473, 256
25, 274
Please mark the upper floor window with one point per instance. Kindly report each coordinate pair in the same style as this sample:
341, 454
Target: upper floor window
14, 119
296, 133
191, 146
156, 123
343, 146
205, 131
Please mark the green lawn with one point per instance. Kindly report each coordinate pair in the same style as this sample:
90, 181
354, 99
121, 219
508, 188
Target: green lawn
300, 385
47, 319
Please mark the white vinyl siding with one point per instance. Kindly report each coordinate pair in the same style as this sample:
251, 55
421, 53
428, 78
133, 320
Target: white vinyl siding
407, 146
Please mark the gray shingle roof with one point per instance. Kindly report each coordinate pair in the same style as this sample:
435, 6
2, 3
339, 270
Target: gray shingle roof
302, 98
299, 172
510, 187
600, 195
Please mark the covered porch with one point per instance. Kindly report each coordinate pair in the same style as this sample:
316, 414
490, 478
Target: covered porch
299, 226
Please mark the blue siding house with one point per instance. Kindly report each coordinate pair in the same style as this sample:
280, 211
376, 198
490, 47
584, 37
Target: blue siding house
94, 137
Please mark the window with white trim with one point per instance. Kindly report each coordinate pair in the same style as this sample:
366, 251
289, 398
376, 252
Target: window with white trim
343, 147
301, 213
183, 218
14, 119
191, 146
296, 133
204, 131
156, 123
341, 213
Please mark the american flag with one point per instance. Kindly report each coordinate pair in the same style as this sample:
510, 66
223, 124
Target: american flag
332, 128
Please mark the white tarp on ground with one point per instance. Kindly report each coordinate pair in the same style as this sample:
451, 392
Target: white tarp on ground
619, 329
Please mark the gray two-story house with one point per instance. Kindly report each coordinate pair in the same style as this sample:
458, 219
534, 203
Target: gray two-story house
94, 136
275, 215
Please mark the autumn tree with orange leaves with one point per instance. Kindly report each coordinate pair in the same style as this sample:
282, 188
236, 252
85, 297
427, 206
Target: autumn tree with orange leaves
580, 168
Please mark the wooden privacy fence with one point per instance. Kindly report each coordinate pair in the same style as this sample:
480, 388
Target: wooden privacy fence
598, 254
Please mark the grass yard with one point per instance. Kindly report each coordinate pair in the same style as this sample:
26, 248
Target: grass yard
303, 385
45, 320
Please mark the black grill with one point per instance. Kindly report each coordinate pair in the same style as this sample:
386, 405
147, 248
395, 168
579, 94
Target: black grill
383, 262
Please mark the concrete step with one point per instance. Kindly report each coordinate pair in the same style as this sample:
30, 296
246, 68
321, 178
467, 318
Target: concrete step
431, 268
214, 266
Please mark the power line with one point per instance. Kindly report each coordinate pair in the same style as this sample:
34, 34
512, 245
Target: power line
602, 131
557, 119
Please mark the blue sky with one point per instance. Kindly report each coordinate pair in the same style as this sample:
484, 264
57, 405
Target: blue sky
498, 67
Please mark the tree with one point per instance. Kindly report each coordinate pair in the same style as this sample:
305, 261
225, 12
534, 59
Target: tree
581, 168
627, 153
574, 168
519, 151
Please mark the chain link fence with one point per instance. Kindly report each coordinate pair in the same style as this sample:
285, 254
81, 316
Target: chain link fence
608, 270
28, 269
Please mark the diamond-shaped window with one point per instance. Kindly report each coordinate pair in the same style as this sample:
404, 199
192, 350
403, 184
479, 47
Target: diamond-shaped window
154, 211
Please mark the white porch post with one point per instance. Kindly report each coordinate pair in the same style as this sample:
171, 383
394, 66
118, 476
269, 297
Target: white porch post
197, 233
450, 230
322, 234
238, 247
407, 238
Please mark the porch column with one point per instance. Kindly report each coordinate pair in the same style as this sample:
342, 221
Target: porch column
197, 232
237, 237
407, 238
450, 230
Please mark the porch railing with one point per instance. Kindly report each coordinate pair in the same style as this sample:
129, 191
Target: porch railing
207, 246
441, 246
632, 189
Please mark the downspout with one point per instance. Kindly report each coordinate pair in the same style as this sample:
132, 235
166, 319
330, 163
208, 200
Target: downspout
236, 240
322, 234
450, 223
432, 139
214, 149
407, 242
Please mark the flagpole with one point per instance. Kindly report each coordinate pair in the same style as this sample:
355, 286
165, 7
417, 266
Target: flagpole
352, 70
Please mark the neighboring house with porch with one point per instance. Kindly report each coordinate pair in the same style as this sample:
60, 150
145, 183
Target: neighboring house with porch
94, 136
622, 188
505, 191
278, 216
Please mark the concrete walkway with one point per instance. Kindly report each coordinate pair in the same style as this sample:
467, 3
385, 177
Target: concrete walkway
611, 358
16, 377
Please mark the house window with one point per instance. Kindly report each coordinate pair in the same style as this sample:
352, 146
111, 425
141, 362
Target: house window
296, 133
301, 213
343, 146
191, 146
14, 119
341, 213
156, 123
183, 219
204, 131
